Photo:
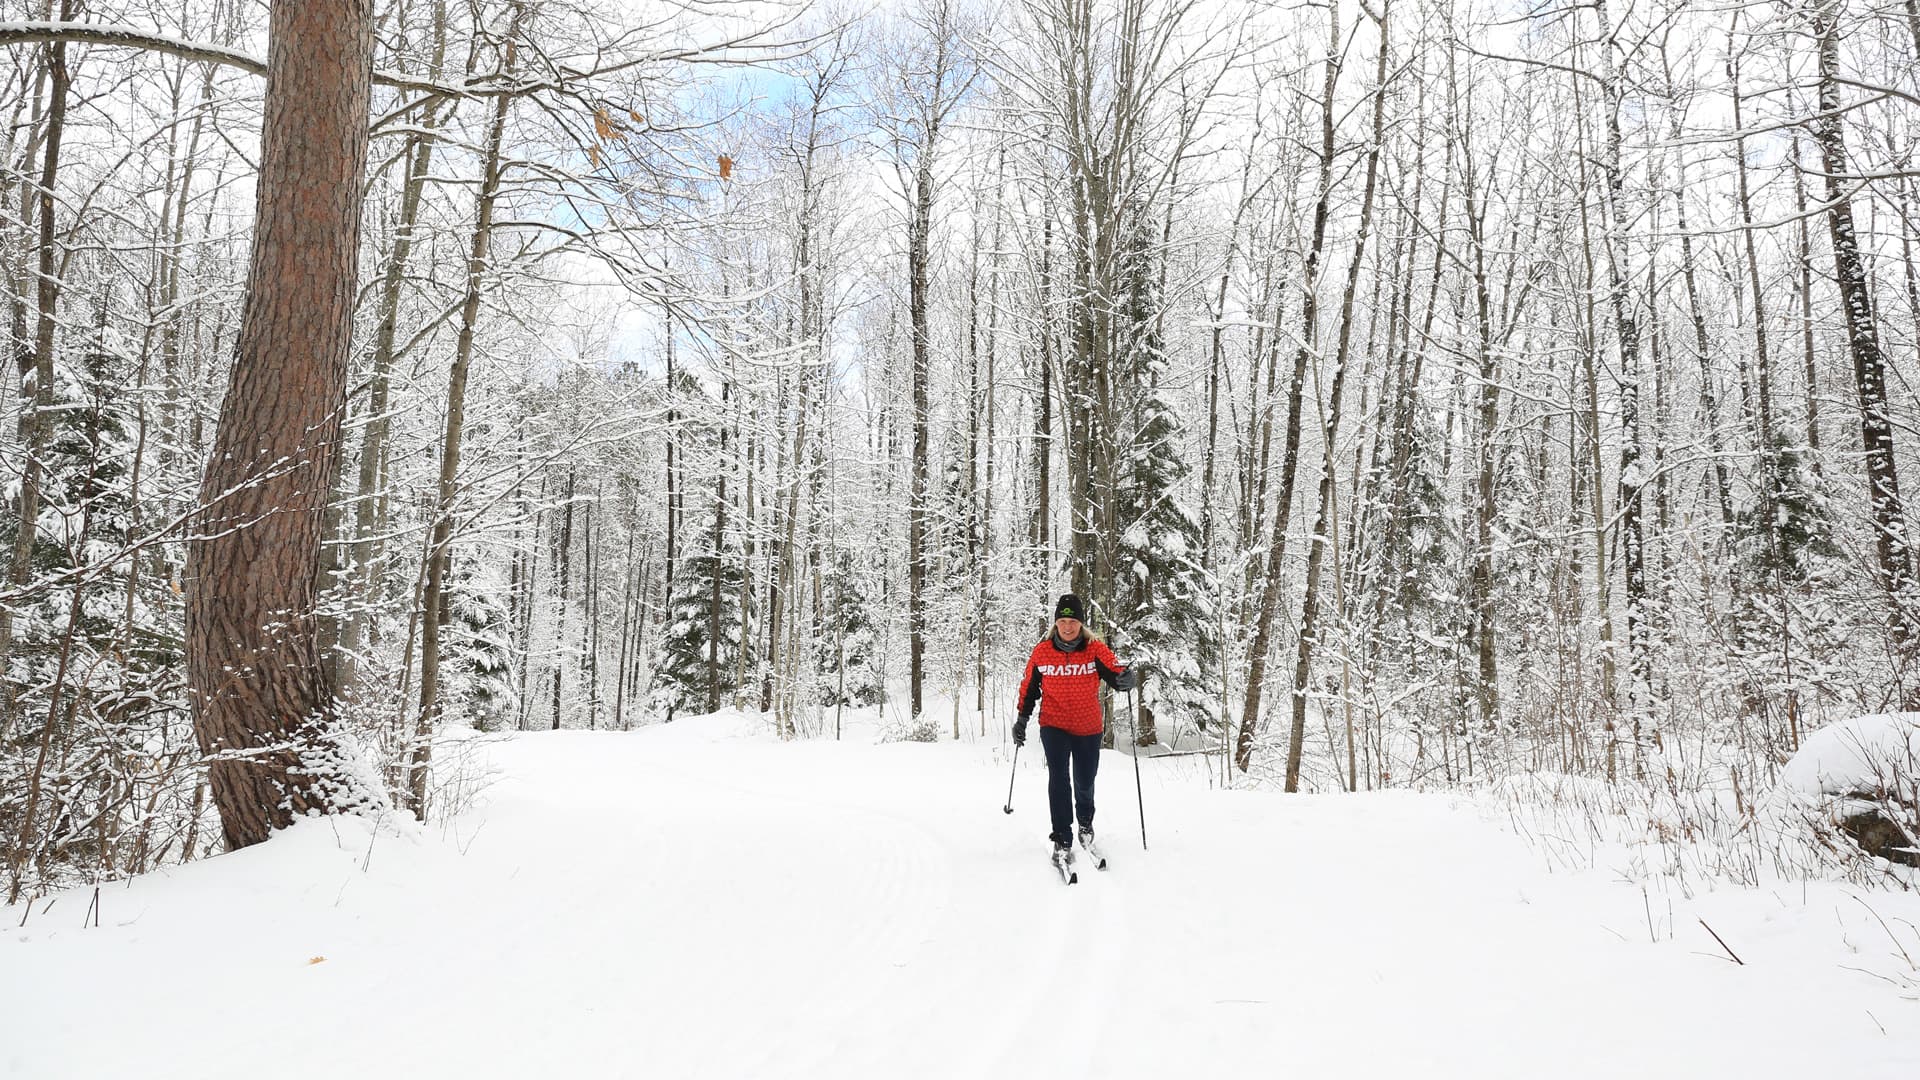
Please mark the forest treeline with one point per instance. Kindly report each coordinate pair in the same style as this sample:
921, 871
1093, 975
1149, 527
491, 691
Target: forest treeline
1425, 391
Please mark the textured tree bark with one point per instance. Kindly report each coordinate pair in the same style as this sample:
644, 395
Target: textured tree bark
261, 693
1863, 342
1632, 537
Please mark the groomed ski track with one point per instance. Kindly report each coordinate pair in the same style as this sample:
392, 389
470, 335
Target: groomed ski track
702, 900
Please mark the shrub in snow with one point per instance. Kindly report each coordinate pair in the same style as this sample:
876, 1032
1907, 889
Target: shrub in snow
1861, 777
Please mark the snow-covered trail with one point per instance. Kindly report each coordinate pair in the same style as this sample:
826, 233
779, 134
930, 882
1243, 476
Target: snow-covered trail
699, 901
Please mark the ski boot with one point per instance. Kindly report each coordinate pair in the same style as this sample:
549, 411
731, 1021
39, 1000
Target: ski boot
1093, 850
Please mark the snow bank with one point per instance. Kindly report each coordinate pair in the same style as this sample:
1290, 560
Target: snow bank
1867, 755
1861, 779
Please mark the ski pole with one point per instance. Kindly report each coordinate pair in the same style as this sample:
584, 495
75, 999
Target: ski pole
1138, 798
1010, 776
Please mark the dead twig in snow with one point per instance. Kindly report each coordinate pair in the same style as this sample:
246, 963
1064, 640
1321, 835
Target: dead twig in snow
1730, 952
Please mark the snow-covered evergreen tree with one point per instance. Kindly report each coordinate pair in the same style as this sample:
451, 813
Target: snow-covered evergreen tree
478, 645
1800, 543
1425, 562
685, 674
848, 641
1777, 573
1167, 618
84, 517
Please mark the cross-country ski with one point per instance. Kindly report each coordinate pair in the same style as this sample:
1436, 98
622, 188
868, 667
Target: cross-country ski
1062, 859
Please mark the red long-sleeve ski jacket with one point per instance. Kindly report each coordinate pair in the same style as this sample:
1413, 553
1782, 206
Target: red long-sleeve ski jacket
1065, 682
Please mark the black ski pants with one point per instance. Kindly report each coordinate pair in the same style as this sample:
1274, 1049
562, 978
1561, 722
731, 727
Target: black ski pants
1081, 754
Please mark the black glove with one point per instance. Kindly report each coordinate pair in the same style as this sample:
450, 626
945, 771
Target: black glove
1020, 732
1130, 678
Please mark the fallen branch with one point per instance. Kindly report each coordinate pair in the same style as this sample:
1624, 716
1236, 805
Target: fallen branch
1730, 952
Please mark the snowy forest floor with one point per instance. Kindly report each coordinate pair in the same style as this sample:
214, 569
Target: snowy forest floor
703, 900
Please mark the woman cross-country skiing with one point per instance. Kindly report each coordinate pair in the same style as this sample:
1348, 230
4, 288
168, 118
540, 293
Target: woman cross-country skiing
1063, 676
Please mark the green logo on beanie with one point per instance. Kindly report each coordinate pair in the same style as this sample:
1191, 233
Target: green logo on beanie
1069, 608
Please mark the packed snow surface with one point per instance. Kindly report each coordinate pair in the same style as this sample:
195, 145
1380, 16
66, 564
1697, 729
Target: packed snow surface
703, 900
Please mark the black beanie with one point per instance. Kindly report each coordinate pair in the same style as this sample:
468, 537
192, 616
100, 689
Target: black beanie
1069, 608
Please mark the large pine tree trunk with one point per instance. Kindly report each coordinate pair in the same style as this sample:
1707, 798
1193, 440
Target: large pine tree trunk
260, 688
